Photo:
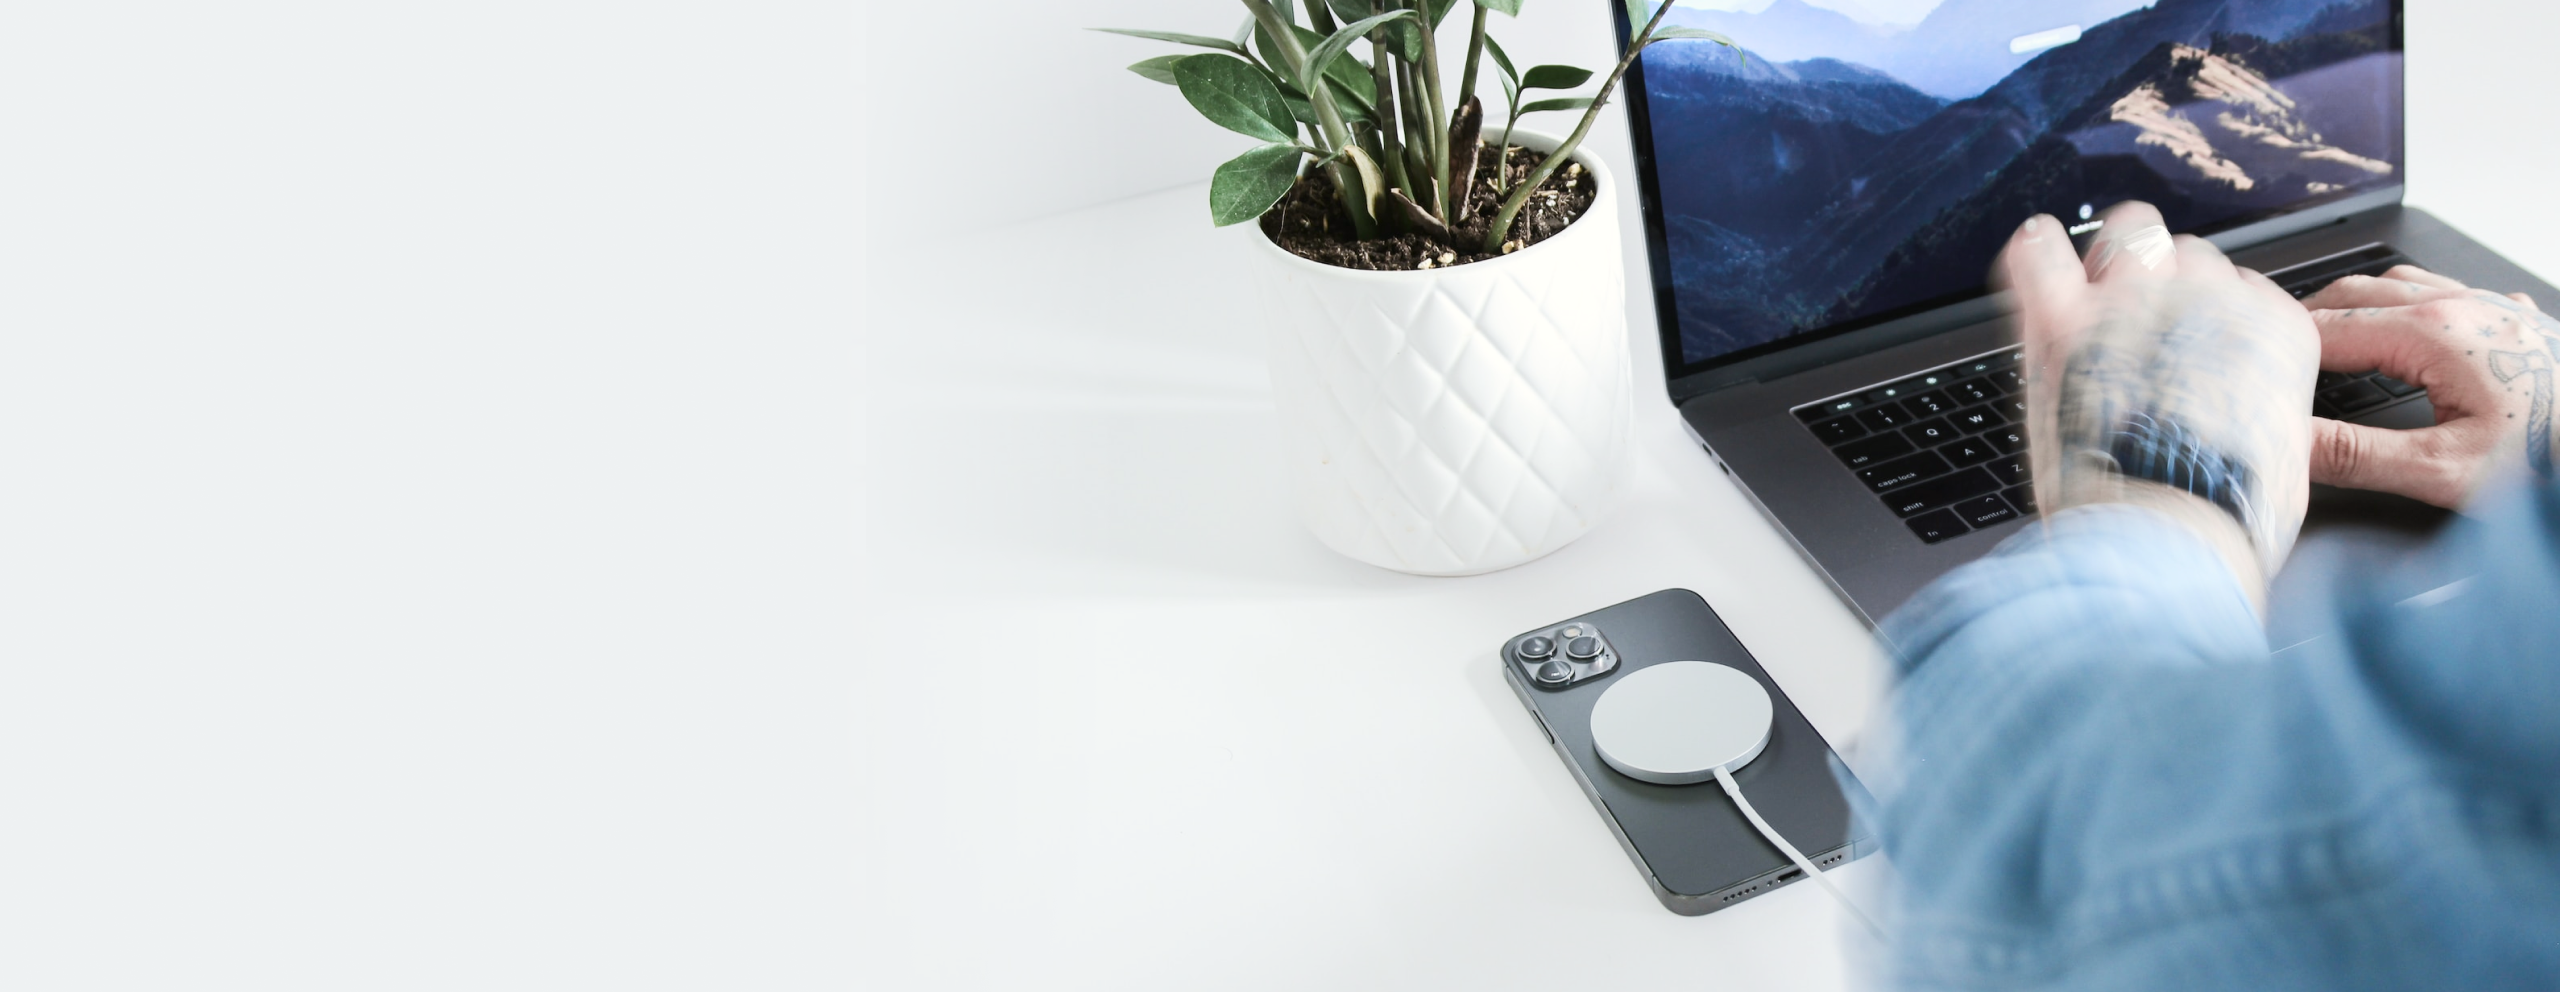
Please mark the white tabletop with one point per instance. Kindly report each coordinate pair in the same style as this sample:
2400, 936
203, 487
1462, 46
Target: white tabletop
1136, 729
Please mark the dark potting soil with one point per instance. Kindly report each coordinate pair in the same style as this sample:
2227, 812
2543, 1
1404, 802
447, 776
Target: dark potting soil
1311, 222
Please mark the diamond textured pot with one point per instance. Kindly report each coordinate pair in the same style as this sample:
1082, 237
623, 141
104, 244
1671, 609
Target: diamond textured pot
1453, 421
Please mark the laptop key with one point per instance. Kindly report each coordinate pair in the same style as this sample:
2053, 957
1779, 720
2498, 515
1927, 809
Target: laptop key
2022, 497
2010, 379
2329, 380
1976, 419
2009, 441
1935, 527
1882, 395
1904, 471
1985, 511
2355, 396
1872, 450
1839, 429
1827, 409
1971, 451
1974, 391
1929, 404
1940, 491
2014, 407
1933, 431
1883, 418
2012, 471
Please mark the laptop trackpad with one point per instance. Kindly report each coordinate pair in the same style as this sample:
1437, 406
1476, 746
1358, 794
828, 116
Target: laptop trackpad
2351, 536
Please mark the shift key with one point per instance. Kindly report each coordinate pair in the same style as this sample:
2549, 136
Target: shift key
1903, 471
1910, 499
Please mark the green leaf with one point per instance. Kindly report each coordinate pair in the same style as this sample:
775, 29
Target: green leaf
1401, 41
1349, 105
1511, 7
1351, 74
1501, 60
1439, 10
1234, 95
1300, 107
1196, 40
1332, 48
1159, 68
1248, 184
1554, 77
1637, 15
1372, 181
1354, 107
1559, 103
1668, 32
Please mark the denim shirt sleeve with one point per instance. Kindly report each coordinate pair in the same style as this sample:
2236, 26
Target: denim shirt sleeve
2103, 778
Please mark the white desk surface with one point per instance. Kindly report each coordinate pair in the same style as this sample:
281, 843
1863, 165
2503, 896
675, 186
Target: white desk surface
1155, 736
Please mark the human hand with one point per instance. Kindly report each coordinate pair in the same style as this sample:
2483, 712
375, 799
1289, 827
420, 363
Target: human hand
2158, 361
2485, 360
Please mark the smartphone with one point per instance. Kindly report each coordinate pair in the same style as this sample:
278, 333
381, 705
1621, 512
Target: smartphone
1693, 847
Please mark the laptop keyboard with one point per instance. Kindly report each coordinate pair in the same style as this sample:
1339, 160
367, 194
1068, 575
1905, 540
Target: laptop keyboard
1946, 450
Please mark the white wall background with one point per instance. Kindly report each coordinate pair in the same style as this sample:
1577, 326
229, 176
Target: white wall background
424, 473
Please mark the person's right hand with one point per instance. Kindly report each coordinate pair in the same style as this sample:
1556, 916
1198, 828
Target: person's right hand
2486, 361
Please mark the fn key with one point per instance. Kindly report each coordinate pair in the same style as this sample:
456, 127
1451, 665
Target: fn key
1936, 525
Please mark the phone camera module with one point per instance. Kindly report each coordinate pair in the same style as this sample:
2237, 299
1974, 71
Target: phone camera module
1565, 656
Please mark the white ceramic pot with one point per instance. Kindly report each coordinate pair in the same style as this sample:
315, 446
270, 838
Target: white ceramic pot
1460, 420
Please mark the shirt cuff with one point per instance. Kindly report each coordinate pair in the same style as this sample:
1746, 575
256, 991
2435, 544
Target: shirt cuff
2086, 570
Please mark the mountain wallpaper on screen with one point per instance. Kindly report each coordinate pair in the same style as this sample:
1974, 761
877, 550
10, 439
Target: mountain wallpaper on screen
1803, 192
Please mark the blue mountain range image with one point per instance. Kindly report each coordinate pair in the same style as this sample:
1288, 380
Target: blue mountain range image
1839, 170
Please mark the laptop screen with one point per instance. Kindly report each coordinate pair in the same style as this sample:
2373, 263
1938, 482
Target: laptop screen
1867, 158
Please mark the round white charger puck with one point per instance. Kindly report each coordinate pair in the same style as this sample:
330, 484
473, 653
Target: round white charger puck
1677, 722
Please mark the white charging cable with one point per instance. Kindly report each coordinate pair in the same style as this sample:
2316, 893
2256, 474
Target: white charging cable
1792, 854
1683, 722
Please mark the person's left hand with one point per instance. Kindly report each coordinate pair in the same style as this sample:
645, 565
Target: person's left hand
2159, 348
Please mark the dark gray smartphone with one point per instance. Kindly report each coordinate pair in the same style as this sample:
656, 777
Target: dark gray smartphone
1694, 848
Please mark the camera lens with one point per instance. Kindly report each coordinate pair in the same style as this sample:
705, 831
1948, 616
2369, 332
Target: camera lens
1582, 648
1536, 647
1555, 673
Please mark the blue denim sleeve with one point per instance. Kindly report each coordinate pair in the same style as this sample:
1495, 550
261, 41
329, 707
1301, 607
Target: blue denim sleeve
2102, 777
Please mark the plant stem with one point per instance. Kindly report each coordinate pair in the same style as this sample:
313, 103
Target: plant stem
1387, 111
1475, 54
1418, 137
1500, 230
1439, 116
1336, 134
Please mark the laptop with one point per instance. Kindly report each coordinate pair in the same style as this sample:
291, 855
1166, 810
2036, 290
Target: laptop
1821, 211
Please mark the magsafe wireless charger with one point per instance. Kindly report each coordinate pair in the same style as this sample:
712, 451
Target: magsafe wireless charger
1685, 722
1678, 722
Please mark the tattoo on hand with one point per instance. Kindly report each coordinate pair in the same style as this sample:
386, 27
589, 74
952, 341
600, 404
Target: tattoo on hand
2509, 366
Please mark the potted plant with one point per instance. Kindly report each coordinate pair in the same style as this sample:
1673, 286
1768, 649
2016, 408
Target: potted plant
1448, 339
